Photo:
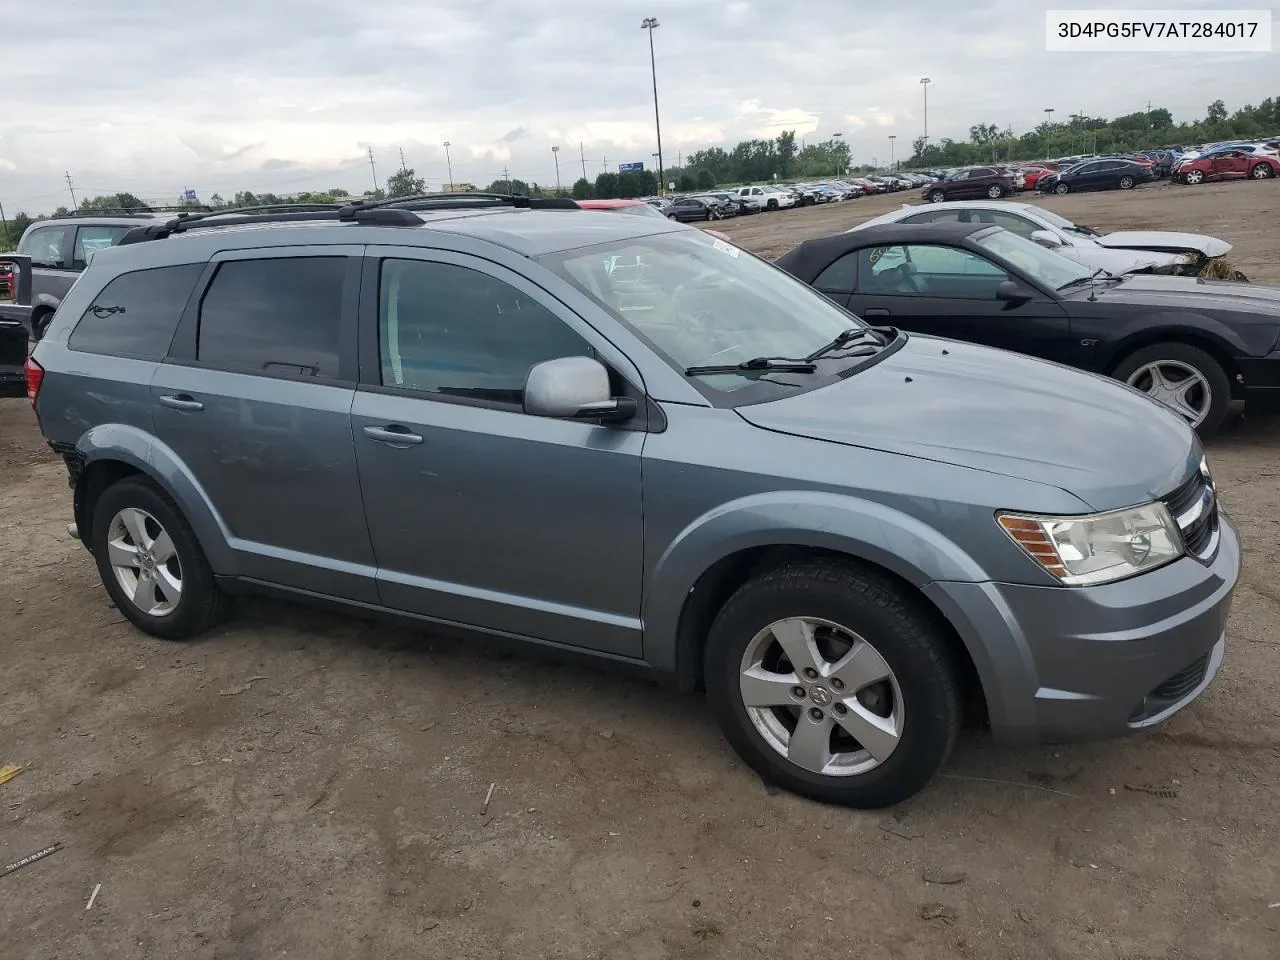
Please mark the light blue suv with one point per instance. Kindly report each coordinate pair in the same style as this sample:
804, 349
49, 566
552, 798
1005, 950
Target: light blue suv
623, 437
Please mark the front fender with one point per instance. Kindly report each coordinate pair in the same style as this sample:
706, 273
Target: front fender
860, 528
126, 444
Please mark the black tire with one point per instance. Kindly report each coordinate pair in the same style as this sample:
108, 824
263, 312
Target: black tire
1127, 183
937, 196
201, 602
910, 642
40, 324
772, 205
1209, 368
1061, 189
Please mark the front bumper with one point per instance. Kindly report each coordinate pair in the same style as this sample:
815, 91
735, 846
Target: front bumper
1075, 663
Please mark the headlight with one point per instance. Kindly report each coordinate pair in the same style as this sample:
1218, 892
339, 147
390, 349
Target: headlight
1097, 549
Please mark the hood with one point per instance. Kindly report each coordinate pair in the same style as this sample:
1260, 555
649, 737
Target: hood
1256, 303
1002, 413
1124, 261
1164, 240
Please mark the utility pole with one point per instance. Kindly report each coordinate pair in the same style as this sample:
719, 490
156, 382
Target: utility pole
555, 152
604, 164
73, 191
507, 177
651, 24
448, 159
679, 160
374, 169
924, 82
583, 157
4, 223
403, 168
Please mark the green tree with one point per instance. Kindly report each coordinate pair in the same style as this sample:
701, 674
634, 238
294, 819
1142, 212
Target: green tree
582, 189
784, 148
686, 182
607, 185
1216, 113
114, 201
983, 133
405, 183
705, 179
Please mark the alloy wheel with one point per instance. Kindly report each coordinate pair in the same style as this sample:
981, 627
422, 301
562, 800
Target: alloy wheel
1179, 386
1061, 189
937, 196
145, 562
1194, 176
1126, 183
995, 193
1261, 172
821, 696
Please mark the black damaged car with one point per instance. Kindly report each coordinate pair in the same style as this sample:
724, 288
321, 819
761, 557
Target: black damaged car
1207, 349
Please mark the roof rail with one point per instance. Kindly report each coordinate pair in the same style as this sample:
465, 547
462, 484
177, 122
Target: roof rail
132, 212
469, 200
274, 213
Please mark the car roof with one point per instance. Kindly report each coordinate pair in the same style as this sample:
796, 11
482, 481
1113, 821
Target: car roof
813, 256
529, 233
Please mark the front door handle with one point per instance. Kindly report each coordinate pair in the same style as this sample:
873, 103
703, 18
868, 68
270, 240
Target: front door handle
875, 313
182, 401
393, 434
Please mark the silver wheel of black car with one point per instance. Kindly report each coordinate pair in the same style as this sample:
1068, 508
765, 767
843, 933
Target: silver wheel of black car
1061, 188
1185, 379
995, 191
937, 196
1126, 183
1194, 176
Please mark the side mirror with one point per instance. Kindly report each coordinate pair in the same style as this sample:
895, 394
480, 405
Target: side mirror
1011, 292
574, 388
1047, 238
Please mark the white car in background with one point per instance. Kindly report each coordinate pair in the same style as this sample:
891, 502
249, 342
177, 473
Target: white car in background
1128, 251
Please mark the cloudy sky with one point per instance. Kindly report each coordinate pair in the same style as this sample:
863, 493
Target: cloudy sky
151, 96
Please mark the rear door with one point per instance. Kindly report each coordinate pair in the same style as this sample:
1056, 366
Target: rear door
51, 271
1232, 165
950, 292
255, 399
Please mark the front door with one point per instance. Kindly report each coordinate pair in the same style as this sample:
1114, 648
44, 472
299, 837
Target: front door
481, 514
255, 399
1231, 166
951, 292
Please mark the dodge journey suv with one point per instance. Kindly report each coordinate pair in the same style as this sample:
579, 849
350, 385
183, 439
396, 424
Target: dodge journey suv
622, 437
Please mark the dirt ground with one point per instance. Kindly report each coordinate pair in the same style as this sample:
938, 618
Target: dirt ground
308, 785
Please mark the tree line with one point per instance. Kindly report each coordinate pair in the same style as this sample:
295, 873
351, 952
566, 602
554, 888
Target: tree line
1144, 130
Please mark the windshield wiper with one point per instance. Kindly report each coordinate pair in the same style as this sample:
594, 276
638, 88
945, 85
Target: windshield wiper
1089, 279
883, 336
786, 364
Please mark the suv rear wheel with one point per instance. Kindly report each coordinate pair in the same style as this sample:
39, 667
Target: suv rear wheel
995, 191
829, 681
150, 562
937, 196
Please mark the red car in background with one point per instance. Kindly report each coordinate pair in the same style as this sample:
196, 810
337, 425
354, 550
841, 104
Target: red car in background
1229, 165
1031, 175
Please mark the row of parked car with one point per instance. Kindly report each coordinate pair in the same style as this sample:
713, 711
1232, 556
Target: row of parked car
853, 536
758, 198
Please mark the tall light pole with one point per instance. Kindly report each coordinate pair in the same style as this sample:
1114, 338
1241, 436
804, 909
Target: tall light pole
1049, 113
840, 171
924, 83
449, 160
555, 152
651, 24
892, 137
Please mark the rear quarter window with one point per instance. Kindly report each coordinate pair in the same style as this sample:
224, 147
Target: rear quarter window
136, 314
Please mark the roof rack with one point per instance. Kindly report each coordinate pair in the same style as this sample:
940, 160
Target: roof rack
396, 212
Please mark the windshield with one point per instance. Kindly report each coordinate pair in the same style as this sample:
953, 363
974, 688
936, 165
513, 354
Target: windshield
700, 301
1051, 269
1062, 223
640, 210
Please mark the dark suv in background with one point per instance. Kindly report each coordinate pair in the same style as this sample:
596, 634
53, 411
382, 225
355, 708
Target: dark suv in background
972, 183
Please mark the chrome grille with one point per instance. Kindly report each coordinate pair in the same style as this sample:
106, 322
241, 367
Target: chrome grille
1194, 507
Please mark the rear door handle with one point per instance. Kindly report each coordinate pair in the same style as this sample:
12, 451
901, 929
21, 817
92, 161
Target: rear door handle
393, 434
182, 401
875, 313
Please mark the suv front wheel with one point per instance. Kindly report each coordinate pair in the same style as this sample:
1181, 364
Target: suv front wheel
150, 562
830, 682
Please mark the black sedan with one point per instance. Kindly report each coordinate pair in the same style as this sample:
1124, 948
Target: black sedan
1104, 174
1206, 349
686, 209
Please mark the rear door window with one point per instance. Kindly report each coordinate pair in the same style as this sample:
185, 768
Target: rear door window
274, 316
89, 240
137, 313
45, 245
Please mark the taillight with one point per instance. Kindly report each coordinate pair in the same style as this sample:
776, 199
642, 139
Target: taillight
35, 377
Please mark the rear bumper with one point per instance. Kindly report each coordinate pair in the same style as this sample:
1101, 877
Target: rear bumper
1060, 664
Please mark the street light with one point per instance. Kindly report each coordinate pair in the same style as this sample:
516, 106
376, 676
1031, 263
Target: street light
651, 24
840, 167
892, 137
1049, 112
449, 160
555, 152
924, 83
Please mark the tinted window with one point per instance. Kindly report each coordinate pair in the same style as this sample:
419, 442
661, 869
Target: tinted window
44, 245
926, 270
89, 240
277, 316
983, 172
1015, 224
838, 277
935, 216
136, 314
451, 330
